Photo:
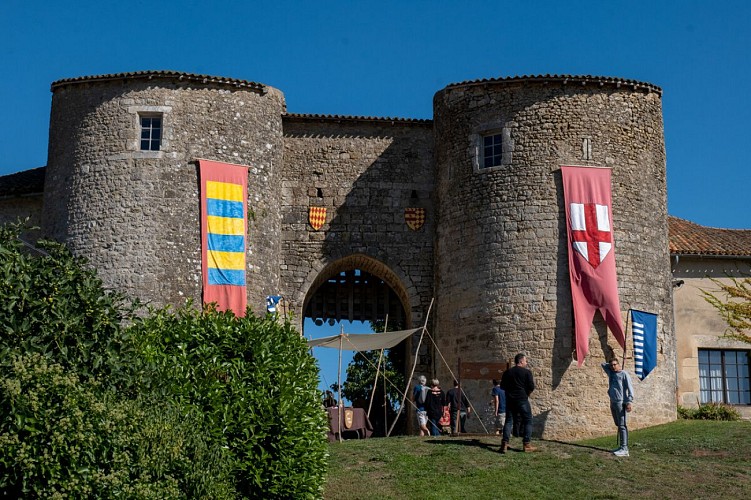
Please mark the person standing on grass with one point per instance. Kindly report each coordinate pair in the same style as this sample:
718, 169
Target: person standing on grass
499, 405
518, 383
458, 402
419, 396
434, 403
621, 393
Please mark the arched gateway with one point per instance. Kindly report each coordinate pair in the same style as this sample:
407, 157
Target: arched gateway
358, 288
466, 209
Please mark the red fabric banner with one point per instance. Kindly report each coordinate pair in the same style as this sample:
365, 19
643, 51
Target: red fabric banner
224, 228
591, 253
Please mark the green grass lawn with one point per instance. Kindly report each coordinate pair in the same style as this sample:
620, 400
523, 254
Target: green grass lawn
683, 459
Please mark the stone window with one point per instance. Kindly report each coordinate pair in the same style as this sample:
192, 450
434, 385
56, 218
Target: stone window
492, 148
151, 132
724, 376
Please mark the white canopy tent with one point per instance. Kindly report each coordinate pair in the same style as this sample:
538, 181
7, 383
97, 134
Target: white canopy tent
363, 341
376, 341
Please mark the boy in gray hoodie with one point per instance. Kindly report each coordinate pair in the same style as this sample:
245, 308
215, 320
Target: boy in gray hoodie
621, 393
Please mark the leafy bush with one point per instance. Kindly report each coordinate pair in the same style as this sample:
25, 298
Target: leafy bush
254, 382
188, 403
61, 437
51, 303
685, 412
709, 411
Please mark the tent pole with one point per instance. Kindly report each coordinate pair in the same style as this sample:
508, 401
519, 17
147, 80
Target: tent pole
458, 393
378, 370
409, 379
339, 381
385, 403
375, 383
385, 399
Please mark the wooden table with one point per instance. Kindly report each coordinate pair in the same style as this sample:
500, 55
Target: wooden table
360, 427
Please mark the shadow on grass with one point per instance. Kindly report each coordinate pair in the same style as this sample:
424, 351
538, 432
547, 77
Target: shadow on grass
483, 444
576, 445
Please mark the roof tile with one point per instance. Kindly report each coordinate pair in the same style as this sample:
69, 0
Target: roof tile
21, 183
690, 238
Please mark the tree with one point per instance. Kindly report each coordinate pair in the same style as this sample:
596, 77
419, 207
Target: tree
361, 375
358, 388
733, 302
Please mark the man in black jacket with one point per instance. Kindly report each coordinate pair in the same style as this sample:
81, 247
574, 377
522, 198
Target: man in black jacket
458, 405
518, 383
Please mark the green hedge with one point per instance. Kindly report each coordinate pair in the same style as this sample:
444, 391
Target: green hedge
62, 437
709, 411
255, 382
185, 403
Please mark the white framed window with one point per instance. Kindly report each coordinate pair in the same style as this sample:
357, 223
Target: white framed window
492, 148
724, 376
151, 131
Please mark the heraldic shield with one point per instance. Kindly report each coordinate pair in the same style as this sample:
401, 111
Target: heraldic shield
414, 217
317, 217
349, 418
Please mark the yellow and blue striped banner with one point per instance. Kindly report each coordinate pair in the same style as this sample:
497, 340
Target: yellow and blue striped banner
224, 189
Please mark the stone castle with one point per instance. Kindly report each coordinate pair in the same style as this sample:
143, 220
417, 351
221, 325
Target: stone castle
121, 188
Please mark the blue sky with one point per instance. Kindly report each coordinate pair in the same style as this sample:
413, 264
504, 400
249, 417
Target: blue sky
388, 58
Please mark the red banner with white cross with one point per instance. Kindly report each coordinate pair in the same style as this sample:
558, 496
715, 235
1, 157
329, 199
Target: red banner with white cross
591, 253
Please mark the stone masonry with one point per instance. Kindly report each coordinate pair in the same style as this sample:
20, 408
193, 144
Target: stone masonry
492, 252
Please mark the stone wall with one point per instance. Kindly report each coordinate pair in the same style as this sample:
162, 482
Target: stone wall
135, 214
365, 172
492, 251
13, 208
502, 283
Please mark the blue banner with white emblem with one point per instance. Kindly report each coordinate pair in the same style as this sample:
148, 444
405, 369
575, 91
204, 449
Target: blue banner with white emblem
644, 329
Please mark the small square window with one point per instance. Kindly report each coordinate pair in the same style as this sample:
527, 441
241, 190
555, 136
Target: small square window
151, 133
492, 151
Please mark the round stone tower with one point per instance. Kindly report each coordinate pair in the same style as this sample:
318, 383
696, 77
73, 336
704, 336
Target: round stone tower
132, 207
502, 283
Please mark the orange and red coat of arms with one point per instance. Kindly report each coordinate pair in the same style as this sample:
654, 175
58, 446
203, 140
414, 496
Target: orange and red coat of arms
414, 217
317, 217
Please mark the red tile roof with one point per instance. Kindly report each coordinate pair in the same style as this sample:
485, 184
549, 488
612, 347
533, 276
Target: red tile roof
163, 75
22, 183
299, 117
599, 81
688, 238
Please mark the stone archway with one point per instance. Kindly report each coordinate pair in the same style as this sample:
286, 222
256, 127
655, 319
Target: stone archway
358, 288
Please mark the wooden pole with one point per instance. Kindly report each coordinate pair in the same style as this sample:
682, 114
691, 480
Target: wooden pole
340, 410
409, 379
378, 371
375, 382
625, 336
385, 399
385, 403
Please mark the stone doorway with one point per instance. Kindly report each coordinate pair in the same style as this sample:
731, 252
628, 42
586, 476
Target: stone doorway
361, 290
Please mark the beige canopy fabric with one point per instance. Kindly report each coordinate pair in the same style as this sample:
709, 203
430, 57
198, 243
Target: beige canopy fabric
363, 341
